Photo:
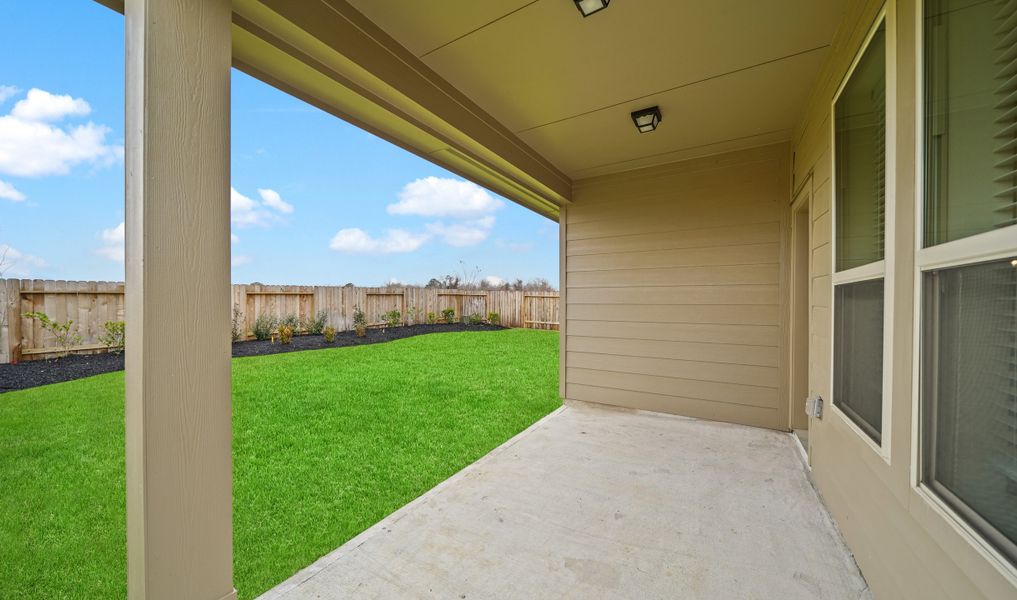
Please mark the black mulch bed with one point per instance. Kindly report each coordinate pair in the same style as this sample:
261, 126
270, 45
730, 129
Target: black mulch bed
42, 372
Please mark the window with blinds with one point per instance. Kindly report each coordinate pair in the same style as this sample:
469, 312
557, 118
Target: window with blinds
969, 307
859, 164
970, 118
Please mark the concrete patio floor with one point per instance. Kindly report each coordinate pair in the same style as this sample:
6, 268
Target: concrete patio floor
601, 503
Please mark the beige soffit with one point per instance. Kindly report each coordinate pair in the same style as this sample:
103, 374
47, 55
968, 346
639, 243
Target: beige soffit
727, 74
328, 54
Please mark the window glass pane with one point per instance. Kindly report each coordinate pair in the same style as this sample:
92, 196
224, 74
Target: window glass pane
858, 354
969, 392
970, 118
860, 159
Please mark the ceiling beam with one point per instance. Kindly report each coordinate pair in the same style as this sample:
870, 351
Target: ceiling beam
328, 54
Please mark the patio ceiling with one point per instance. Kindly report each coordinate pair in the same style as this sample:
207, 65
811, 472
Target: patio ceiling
727, 74
527, 96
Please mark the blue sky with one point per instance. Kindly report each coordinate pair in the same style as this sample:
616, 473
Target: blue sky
315, 201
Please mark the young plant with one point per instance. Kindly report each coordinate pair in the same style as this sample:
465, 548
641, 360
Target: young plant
112, 336
448, 315
285, 334
413, 315
65, 332
291, 321
237, 326
392, 318
359, 322
329, 334
316, 324
432, 318
475, 319
264, 326
494, 318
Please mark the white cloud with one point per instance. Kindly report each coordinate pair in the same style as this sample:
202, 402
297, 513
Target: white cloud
32, 146
14, 263
233, 238
7, 91
248, 212
272, 199
9, 192
395, 241
444, 197
466, 233
494, 281
112, 243
40, 105
240, 260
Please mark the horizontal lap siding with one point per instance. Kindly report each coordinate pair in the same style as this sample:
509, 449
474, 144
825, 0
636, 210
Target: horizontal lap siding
673, 288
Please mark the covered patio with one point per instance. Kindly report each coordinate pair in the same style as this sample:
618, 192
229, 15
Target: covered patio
594, 502
700, 257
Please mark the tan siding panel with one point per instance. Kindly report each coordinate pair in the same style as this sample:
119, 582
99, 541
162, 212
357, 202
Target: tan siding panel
678, 405
673, 287
663, 313
654, 223
756, 335
717, 275
763, 356
690, 294
821, 260
712, 391
745, 254
757, 233
751, 375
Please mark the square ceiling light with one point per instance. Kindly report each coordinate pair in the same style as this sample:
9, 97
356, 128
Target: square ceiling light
588, 7
646, 119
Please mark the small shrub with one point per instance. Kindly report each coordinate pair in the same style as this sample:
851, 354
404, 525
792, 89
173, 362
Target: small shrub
432, 318
237, 327
314, 325
449, 315
392, 318
413, 315
285, 334
494, 318
112, 336
475, 319
291, 321
65, 332
359, 322
329, 333
264, 325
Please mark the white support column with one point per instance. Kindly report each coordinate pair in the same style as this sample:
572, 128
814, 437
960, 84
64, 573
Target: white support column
179, 466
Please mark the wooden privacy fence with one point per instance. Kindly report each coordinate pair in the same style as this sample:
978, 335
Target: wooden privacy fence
91, 303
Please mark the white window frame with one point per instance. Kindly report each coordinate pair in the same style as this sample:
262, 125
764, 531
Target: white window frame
983, 247
883, 269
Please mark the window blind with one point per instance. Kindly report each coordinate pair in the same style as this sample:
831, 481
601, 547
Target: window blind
1006, 107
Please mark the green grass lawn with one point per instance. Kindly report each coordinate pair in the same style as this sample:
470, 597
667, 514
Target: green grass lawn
325, 444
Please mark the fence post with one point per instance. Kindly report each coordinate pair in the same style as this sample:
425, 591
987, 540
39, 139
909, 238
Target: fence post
12, 304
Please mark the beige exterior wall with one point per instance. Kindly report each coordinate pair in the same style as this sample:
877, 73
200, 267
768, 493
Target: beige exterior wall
672, 288
906, 546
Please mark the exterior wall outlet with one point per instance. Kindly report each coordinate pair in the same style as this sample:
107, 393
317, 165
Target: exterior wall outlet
814, 406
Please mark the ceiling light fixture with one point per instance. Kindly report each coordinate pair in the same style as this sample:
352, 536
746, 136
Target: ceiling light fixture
647, 119
588, 7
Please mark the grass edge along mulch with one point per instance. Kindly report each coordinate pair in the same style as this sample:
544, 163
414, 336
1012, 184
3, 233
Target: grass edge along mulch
29, 374
326, 443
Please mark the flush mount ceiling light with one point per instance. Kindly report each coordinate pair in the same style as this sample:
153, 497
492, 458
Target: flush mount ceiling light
588, 7
647, 119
